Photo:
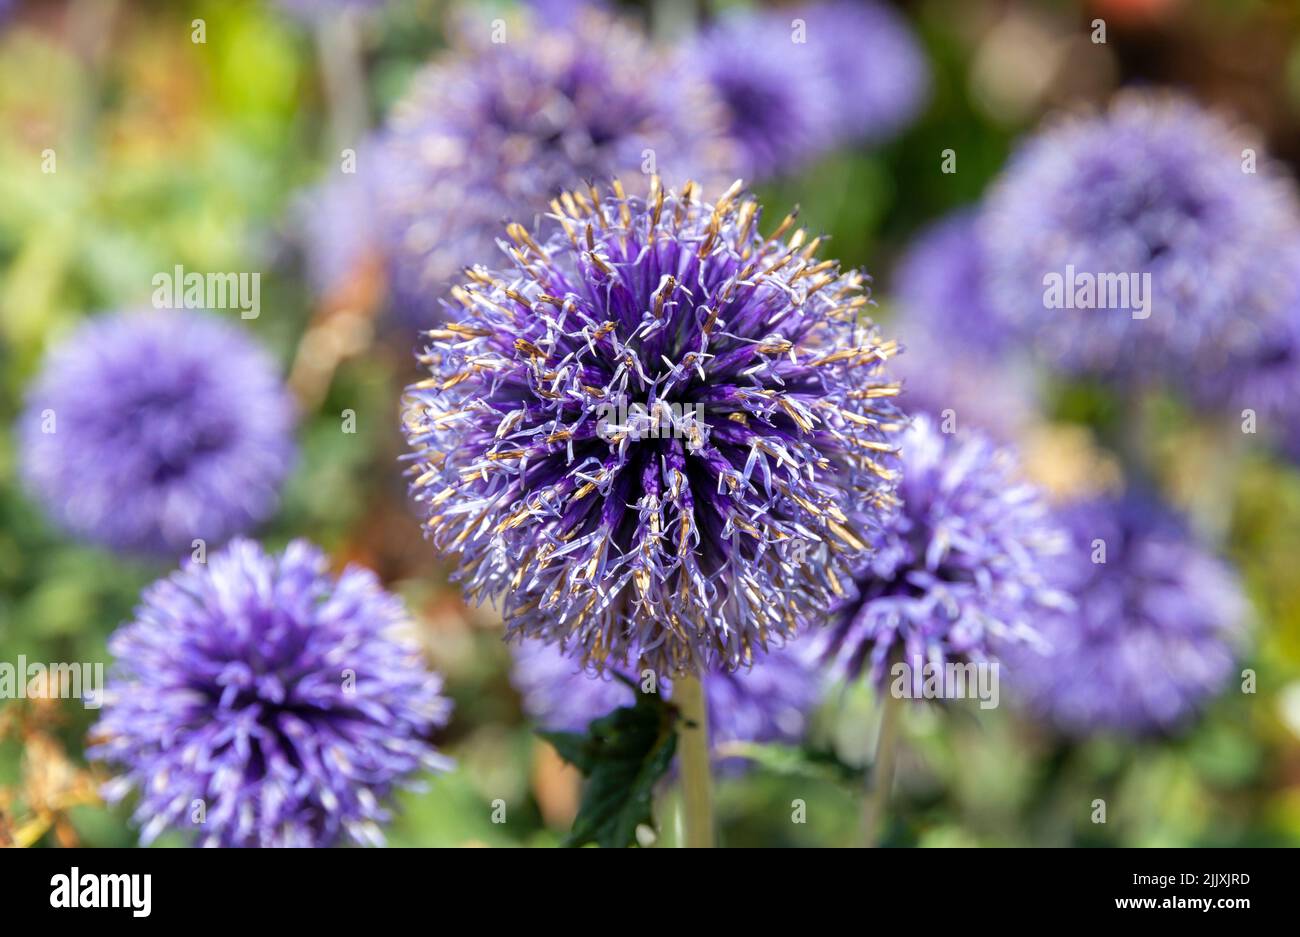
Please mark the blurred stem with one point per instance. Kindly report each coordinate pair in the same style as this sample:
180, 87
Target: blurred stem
339, 41
697, 782
882, 771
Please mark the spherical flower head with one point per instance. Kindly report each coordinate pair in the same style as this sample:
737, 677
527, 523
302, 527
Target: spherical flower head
148, 430
768, 702
621, 436
878, 69
508, 119
778, 97
958, 367
287, 702
963, 564
1151, 637
1151, 203
1259, 379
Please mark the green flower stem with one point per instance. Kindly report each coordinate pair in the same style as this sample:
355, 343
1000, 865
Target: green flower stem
697, 780
882, 771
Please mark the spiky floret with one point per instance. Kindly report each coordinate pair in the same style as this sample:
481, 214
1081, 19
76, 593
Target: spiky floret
757, 415
964, 564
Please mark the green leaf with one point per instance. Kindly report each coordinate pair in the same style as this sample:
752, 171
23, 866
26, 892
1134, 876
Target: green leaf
793, 761
621, 755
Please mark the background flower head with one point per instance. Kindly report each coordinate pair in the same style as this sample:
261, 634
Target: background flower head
1151, 637
149, 429
1258, 379
620, 436
963, 565
1153, 186
778, 98
798, 81
961, 367
876, 65
286, 701
495, 129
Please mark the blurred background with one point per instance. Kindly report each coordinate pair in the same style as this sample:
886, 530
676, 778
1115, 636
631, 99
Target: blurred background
171, 151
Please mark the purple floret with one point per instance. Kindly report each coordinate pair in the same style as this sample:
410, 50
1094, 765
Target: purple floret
276, 702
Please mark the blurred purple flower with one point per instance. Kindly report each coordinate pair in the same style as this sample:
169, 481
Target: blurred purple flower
1261, 374
147, 430
286, 702
779, 100
763, 419
963, 565
768, 702
495, 129
958, 389
1155, 185
799, 81
563, 12
959, 364
1151, 637
879, 71
941, 288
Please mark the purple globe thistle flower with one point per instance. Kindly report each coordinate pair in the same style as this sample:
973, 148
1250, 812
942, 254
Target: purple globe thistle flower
779, 98
1260, 374
958, 367
800, 81
876, 65
1154, 196
1151, 636
962, 566
941, 287
287, 701
149, 429
505, 122
769, 702
618, 434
